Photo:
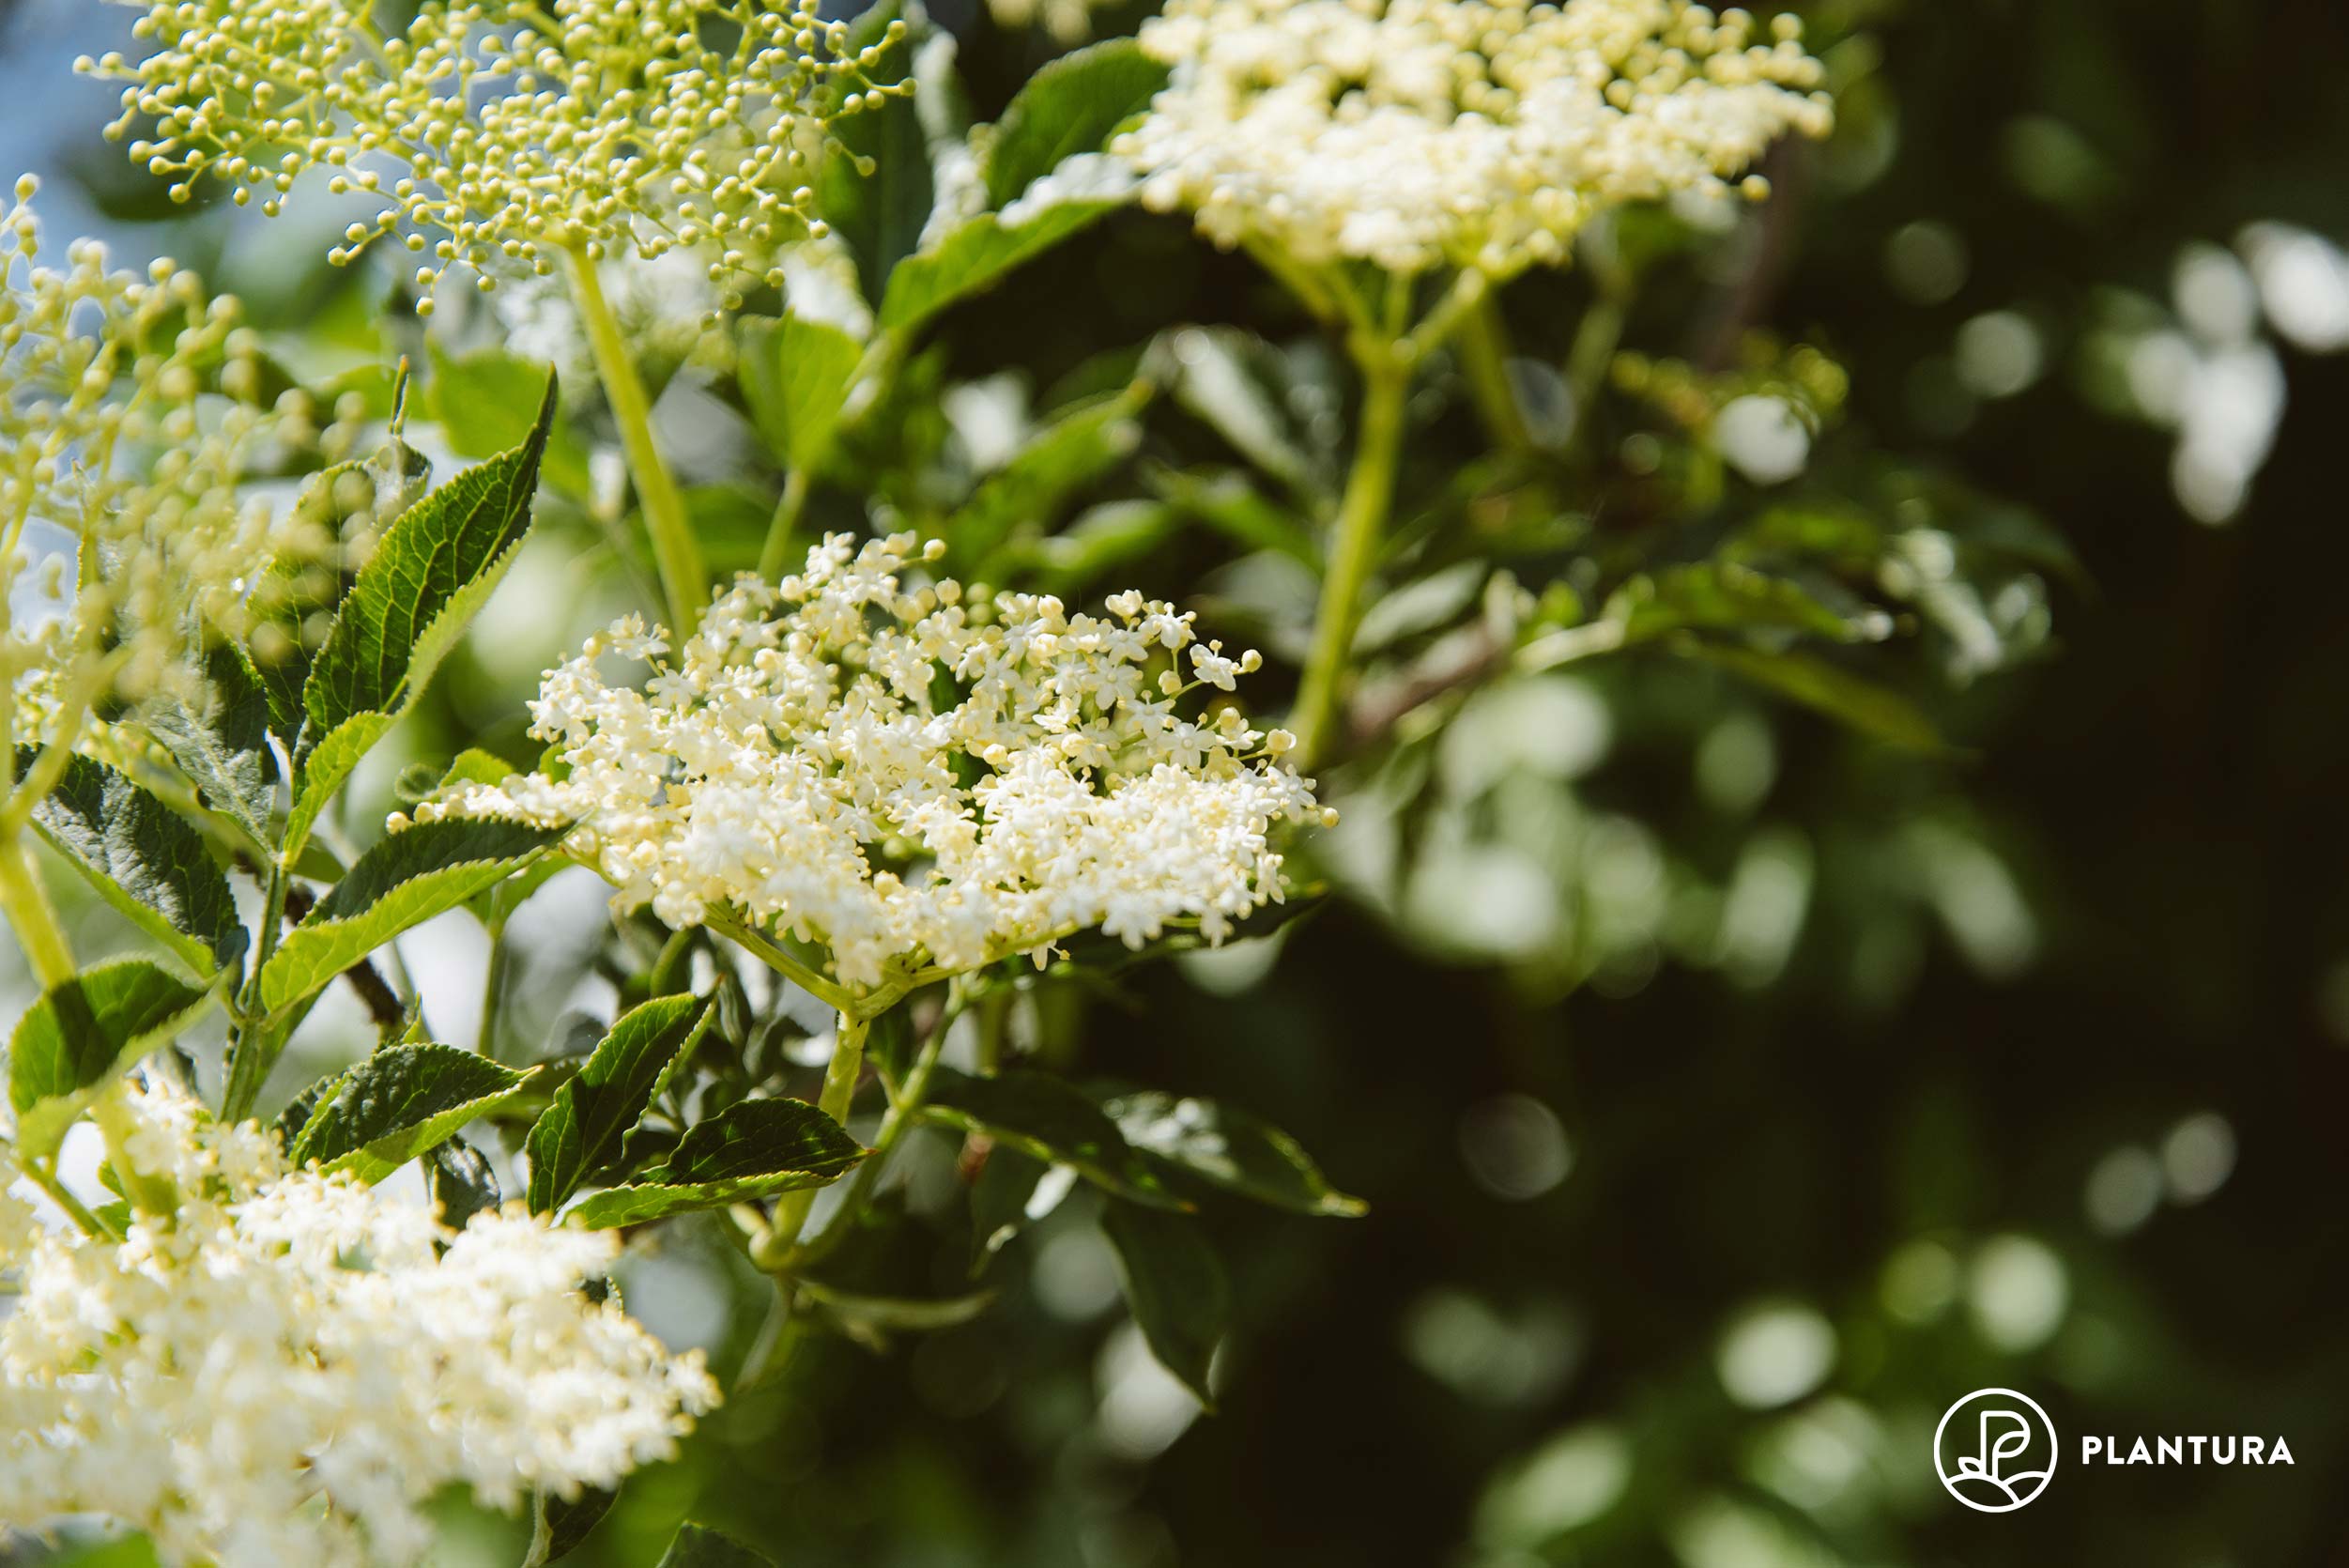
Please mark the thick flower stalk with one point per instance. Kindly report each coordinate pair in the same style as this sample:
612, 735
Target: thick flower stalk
914, 782
342, 1355
1474, 134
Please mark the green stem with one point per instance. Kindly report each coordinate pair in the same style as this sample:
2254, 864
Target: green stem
901, 1115
663, 979
684, 580
42, 1176
778, 1337
255, 1040
756, 943
1361, 521
148, 1194
773, 1249
492, 990
1484, 361
1309, 288
994, 1011
1595, 342
777, 549
31, 913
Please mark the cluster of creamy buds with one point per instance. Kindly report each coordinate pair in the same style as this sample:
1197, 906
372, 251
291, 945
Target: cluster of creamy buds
1477, 134
920, 780
1069, 22
498, 135
288, 1366
131, 413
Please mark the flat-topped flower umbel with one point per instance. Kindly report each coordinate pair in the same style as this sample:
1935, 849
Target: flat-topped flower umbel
1477, 134
287, 1366
916, 781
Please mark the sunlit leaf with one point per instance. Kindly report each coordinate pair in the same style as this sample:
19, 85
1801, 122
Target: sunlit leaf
144, 859
1049, 1119
72, 1041
399, 1102
754, 1150
609, 1095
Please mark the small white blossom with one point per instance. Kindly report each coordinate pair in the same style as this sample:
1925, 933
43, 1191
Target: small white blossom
917, 780
1471, 134
287, 1369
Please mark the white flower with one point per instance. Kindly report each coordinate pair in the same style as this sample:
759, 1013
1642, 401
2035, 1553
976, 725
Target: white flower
289, 1368
916, 781
1470, 134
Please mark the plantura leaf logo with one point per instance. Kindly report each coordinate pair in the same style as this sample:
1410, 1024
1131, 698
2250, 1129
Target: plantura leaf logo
1995, 1450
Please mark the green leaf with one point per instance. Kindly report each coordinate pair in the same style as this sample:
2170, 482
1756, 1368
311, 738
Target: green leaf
1013, 1192
753, 1149
875, 186
403, 880
225, 750
144, 859
475, 766
82, 1032
1174, 1285
304, 593
430, 573
1047, 1119
303, 1106
100, 1546
558, 1525
1228, 502
606, 1098
1069, 107
1101, 540
461, 1182
1246, 391
1233, 1149
1873, 710
1059, 460
975, 255
1727, 597
482, 401
796, 375
399, 1102
697, 1547
324, 768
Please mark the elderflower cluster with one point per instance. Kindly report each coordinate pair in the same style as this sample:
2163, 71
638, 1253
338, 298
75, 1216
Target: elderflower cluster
503, 133
1477, 134
919, 780
132, 415
1069, 22
288, 1368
